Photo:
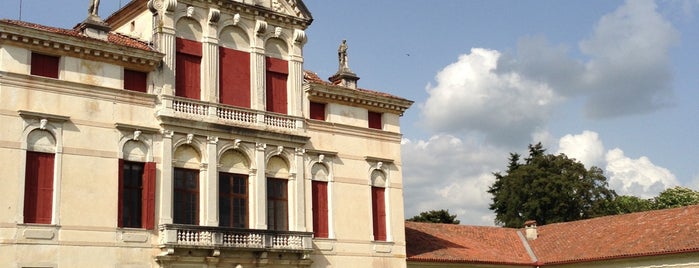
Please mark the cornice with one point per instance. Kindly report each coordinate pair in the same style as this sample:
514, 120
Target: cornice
369, 100
86, 48
260, 12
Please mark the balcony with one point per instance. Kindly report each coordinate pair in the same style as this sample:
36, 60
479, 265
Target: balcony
179, 107
222, 238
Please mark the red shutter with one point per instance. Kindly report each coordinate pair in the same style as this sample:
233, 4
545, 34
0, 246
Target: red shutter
320, 208
277, 73
44, 65
135, 80
375, 120
148, 195
120, 202
234, 77
38, 191
188, 69
378, 208
317, 111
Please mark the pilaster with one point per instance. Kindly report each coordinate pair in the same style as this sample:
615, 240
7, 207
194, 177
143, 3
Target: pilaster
260, 188
165, 206
212, 182
300, 189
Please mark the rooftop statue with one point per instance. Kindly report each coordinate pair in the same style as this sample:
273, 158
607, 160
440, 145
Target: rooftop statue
93, 10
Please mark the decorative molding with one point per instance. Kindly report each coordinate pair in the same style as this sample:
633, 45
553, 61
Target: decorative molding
214, 15
321, 158
42, 116
136, 135
212, 139
278, 31
236, 143
170, 5
42, 123
325, 92
189, 139
260, 146
300, 151
299, 37
279, 150
190, 11
260, 27
129, 127
236, 18
168, 133
378, 159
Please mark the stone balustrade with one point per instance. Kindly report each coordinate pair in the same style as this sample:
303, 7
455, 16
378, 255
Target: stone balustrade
193, 236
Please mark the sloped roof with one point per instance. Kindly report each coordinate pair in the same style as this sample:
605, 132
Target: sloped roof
650, 233
312, 77
433, 242
113, 38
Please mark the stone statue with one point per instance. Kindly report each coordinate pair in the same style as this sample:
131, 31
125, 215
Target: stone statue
93, 10
342, 54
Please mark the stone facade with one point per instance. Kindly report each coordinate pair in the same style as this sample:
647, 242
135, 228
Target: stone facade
92, 126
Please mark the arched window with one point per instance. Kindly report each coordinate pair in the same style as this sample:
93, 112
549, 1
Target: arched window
233, 190
39, 177
234, 67
136, 187
378, 204
276, 76
277, 194
186, 185
319, 193
188, 59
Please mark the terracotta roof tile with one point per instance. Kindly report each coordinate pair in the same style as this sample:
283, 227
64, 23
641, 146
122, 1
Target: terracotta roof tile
314, 78
650, 233
114, 38
460, 243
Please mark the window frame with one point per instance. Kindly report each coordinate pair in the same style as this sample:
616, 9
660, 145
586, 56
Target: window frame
277, 204
44, 65
320, 209
231, 196
145, 204
317, 111
375, 120
189, 197
135, 80
39, 187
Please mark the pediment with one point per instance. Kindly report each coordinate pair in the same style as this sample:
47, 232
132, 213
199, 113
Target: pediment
294, 8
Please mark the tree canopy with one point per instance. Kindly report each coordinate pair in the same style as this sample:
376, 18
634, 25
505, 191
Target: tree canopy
548, 188
670, 198
436, 216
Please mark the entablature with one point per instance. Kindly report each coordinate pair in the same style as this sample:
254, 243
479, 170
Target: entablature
370, 100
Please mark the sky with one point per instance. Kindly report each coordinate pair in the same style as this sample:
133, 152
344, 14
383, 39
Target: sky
610, 83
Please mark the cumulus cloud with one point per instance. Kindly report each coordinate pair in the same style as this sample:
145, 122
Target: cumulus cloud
638, 177
585, 147
446, 172
629, 70
469, 96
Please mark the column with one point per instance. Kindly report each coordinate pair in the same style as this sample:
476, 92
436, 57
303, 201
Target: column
165, 201
300, 193
212, 182
260, 190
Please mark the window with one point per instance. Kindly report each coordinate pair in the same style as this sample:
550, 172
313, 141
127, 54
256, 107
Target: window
378, 211
375, 120
136, 194
317, 111
188, 69
277, 73
186, 196
38, 188
44, 65
135, 80
277, 205
320, 208
233, 200
234, 77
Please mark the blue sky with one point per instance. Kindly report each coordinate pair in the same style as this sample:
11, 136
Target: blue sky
610, 83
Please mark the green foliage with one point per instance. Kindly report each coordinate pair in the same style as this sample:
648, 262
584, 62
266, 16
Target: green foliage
676, 197
629, 204
548, 188
436, 216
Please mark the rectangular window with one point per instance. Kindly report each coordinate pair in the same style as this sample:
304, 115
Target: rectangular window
320, 208
135, 80
233, 200
234, 77
188, 69
38, 188
186, 207
136, 194
378, 209
375, 120
277, 73
277, 205
44, 65
317, 111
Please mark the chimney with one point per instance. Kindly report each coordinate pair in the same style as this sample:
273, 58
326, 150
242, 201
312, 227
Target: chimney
530, 229
344, 76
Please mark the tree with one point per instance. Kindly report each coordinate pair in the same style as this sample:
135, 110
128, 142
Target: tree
548, 188
676, 197
436, 216
629, 204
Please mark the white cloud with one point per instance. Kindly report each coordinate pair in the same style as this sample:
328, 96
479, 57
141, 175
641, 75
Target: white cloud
471, 97
639, 177
585, 147
446, 172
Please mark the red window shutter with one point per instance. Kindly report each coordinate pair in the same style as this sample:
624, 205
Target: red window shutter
44, 65
120, 208
38, 193
188, 69
375, 120
277, 73
317, 111
320, 208
234, 77
378, 208
135, 80
148, 195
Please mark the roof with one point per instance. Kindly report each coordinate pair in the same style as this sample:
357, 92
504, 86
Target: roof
312, 77
650, 233
114, 38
